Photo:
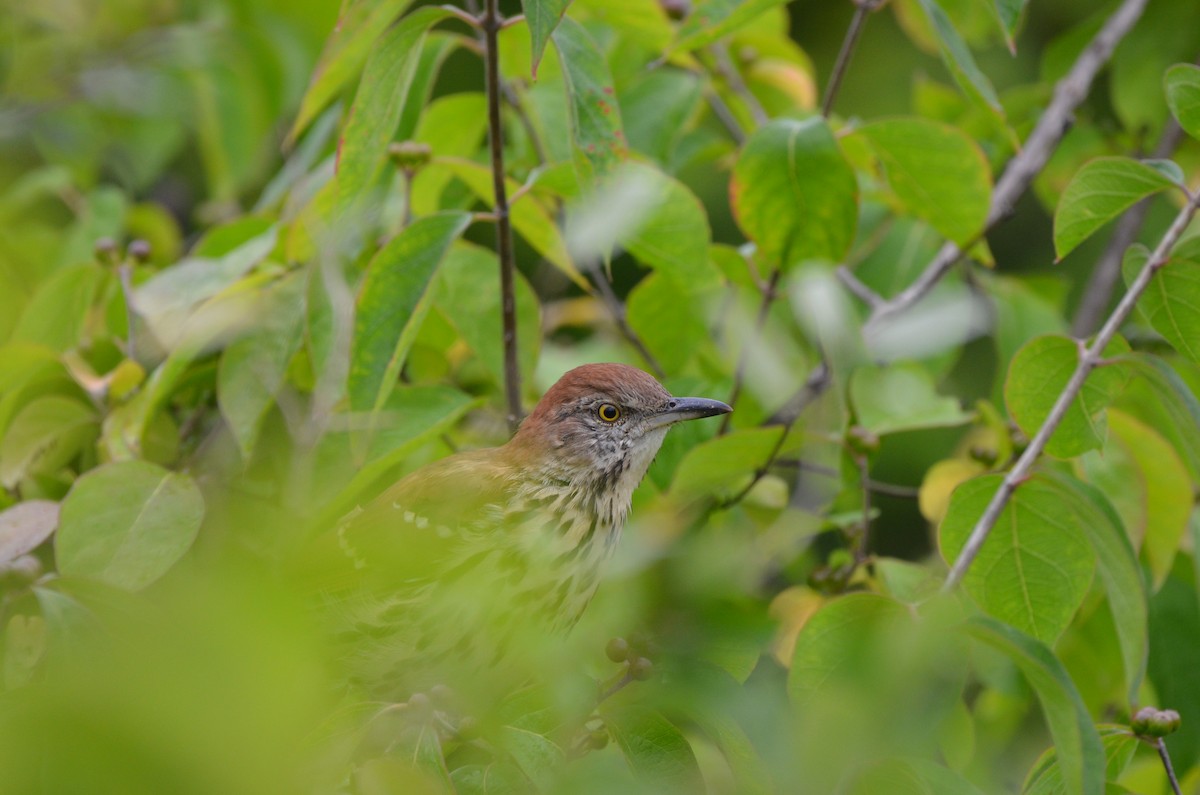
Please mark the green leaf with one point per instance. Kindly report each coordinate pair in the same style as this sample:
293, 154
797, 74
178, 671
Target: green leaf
127, 523
57, 313
794, 194
657, 752
937, 171
901, 397
542, 17
913, 776
719, 466
469, 296
537, 757
392, 303
958, 59
531, 220
1168, 404
1149, 486
1046, 776
359, 25
1117, 565
1036, 565
710, 20
656, 111
1172, 670
1038, 374
1080, 753
24, 526
1183, 96
664, 315
595, 114
436, 49
1008, 12
1171, 302
46, 434
253, 367
1100, 191
382, 95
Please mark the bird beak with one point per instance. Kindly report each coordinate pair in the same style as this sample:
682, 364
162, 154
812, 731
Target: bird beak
688, 408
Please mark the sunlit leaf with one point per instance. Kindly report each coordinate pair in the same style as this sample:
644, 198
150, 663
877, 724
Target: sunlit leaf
1036, 565
1099, 192
709, 20
717, 466
1037, 376
656, 109
24, 526
958, 59
542, 17
901, 397
939, 173
392, 302
794, 194
127, 523
45, 435
1080, 753
57, 313
1161, 397
595, 113
1172, 300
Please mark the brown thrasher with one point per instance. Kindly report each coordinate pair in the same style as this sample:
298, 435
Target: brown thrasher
452, 559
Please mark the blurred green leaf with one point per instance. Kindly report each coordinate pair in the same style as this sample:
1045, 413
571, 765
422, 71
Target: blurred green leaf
1008, 12
721, 465
1148, 484
595, 113
127, 523
912, 777
542, 17
537, 757
1036, 565
1183, 96
1046, 777
937, 171
1117, 565
475, 312
1099, 192
1171, 303
658, 753
1165, 400
794, 194
901, 397
958, 59
1037, 376
1080, 753
1172, 669
360, 25
656, 110
434, 52
253, 366
46, 434
709, 20
379, 103
57, 314
392, 302
665, 316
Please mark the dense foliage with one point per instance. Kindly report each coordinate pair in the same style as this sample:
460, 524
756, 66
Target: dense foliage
946, 543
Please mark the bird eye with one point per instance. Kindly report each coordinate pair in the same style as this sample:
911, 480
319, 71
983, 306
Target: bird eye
608, 412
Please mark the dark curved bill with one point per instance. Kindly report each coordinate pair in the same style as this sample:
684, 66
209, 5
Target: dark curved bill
689, 408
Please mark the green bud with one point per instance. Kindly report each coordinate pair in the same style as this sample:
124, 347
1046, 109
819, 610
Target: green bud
641, 669
617, 650
410, 155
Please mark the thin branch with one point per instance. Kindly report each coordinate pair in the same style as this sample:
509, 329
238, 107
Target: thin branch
514, 101
1161, 747
492, 22
1053, 124
877, 486
739, 376
1104, 276
863, 9
737, 85
1088, 360
725, 115
617, 308
471, 19
855, 286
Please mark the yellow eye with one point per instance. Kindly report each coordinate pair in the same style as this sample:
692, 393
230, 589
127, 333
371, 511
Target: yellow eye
608, 412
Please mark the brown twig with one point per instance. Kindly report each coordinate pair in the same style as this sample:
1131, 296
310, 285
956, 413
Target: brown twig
1161, 747
1104, 276
725, 115
1054, 123
491, 23
1090, 358
863, 9
733, 79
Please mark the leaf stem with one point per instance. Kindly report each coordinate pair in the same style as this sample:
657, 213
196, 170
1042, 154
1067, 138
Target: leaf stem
491, 21
1089, 359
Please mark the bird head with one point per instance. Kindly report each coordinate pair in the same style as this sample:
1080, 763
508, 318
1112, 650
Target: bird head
605, 423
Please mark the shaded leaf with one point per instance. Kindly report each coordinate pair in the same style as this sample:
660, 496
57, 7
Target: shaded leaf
57, 313
656, 751
1171, 302
1080, 753
595, 114
719, 465
1046, 776
542, 17
1099, 192
46, 434
901, 397
1037, 376
1183, 96
1171, 406
1036, 565
709, 20
958, 59
127, 523
392, 303
1009, 14
794, 194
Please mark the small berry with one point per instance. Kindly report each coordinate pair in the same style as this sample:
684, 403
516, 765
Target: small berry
105, 248
1151, 722
617, 650
641, 669
140, 250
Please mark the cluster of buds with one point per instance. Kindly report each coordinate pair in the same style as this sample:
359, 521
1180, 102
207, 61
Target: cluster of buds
620, 651
1154, 723
108, 252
